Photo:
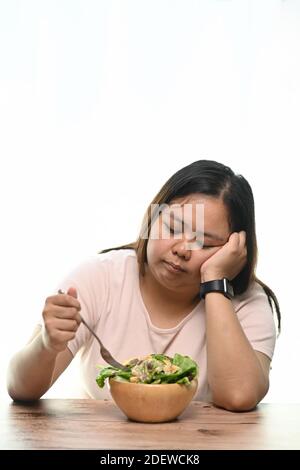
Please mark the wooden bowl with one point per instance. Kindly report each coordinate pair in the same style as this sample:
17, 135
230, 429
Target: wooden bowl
152, 403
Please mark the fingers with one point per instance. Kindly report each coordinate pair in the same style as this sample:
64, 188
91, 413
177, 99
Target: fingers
72, 292
237, 240
64, 300
234, 242
242, 244
63, 306
69, 313
67, 325
60, 324
230, 260
242, 239
57, 339
237, 247
61, 319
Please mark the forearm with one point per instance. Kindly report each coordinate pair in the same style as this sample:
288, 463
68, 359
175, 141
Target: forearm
235, 375
30, 371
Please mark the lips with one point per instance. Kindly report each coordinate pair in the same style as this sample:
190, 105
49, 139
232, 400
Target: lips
177, 267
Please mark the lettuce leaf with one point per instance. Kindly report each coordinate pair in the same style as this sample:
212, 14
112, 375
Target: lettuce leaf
154, 369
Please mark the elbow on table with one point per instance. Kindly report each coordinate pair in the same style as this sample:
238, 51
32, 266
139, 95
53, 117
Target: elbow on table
238, 403
16, 395
239, 400
24, 399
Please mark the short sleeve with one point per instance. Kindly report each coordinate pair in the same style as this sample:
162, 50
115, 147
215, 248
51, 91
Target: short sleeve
90, 279
256, 318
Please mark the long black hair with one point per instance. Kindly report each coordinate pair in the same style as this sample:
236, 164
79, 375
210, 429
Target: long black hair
213, 179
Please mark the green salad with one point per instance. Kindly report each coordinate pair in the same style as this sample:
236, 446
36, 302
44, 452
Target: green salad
153, 369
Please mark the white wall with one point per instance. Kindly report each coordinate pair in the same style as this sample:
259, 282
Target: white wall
101, 101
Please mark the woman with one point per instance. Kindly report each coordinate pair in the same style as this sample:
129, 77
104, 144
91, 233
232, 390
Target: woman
144, 297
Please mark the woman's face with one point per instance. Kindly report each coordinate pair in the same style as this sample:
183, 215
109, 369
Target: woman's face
171, 241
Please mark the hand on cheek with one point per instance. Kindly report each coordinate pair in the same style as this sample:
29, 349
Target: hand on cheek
227, 261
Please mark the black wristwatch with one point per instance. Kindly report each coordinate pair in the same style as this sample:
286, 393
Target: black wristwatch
219, 285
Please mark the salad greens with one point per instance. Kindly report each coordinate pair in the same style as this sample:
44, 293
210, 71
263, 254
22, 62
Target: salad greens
153, 369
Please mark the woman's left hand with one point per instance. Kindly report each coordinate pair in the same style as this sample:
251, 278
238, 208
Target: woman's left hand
228, 261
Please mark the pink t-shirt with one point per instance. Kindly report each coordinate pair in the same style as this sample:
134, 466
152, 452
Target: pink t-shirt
111, 302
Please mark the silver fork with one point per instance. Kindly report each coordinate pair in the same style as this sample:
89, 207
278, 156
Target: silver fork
104, 352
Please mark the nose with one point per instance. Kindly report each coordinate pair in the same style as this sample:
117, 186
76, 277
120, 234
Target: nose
182, 249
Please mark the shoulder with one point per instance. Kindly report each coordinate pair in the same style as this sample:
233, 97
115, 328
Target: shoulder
116, 256
99, 279
100, 269
253, 306
255, 294
116, 261
112, 260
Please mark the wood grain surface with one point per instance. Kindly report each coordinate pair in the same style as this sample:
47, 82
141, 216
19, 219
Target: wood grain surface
93, 424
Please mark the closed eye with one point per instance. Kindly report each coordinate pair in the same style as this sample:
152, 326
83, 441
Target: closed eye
172, 231
212, 246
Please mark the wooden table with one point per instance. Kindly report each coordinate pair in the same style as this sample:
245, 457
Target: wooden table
92, 424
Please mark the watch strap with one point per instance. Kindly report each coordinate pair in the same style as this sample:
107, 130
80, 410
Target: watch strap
217, 285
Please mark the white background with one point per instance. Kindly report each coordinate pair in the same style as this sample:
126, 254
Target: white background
101, 101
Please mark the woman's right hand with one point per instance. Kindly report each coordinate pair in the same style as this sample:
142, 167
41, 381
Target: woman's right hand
61, 320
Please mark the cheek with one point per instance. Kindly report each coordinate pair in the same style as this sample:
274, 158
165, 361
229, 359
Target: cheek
156, 249
150, 253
